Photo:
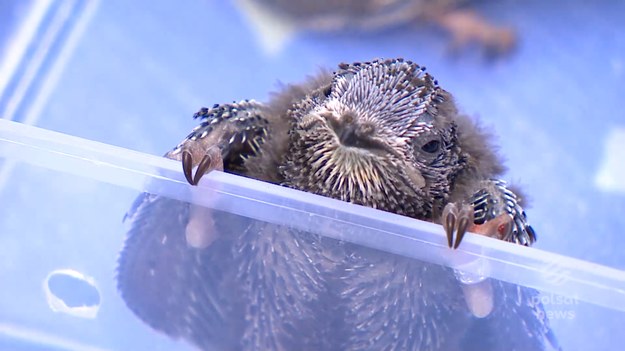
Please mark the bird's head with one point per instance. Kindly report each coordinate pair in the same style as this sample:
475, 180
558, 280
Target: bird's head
381, 134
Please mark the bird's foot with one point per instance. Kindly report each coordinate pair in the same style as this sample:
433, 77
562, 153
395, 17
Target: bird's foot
466, 27
477, 289
456, 221
209, 160
500, 227
479, 298
200, 231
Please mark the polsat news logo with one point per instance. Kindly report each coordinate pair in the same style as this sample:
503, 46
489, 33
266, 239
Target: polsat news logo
556, 306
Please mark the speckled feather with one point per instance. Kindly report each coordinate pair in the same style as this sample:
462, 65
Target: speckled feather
381, 134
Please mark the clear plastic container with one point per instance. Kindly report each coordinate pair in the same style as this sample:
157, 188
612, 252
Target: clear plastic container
63, 199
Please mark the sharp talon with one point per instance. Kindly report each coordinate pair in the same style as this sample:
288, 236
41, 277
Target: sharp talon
202, 167
449, 222
187, 166
463, 224
465, 219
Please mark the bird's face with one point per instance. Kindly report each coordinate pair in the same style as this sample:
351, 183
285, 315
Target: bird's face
375, 137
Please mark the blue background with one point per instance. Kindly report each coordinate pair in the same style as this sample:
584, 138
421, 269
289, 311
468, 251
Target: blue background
138, 73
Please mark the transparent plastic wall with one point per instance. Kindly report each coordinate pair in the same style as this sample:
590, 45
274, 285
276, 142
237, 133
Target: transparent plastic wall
60, 249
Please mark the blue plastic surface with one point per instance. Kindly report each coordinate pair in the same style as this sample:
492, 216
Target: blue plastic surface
132, 75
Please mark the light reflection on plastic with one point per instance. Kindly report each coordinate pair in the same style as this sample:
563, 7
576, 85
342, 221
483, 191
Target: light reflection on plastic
71, 292
609, 177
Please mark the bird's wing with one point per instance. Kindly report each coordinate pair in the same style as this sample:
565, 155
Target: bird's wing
494, 199
518, 320
227, 133
171, 268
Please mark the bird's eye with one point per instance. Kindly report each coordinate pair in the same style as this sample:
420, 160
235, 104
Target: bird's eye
431, 146
327, 91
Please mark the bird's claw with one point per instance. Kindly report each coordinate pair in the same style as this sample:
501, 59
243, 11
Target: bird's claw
456, 220
211, 160
187, 166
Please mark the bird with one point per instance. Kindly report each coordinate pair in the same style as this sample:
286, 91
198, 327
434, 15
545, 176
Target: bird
381, 134
276, 21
